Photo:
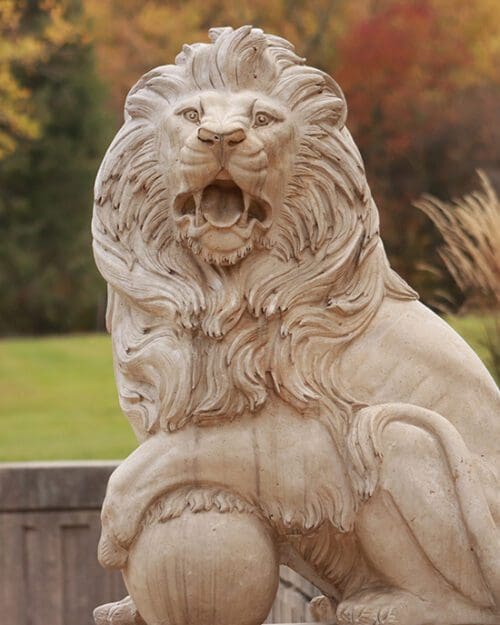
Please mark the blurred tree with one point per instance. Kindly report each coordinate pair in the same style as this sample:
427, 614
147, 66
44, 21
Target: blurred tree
22, 48
47, 275
423, 88
15, 115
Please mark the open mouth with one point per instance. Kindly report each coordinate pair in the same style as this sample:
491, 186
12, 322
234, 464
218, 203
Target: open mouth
222, 205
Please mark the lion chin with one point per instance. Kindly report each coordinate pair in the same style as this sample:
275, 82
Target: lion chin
216, 257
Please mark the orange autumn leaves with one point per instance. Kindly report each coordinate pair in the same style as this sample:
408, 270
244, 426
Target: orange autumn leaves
405, 66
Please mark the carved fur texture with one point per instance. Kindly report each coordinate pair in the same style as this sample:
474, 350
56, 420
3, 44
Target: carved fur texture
201, 341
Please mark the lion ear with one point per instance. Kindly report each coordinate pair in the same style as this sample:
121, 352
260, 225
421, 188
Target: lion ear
329, 105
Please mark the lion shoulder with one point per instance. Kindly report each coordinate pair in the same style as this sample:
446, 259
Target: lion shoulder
409, 354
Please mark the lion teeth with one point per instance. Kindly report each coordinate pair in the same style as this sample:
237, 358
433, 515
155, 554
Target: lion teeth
198, 218
246, 206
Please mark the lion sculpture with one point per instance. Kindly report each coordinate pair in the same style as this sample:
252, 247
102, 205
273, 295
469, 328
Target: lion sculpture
293, 401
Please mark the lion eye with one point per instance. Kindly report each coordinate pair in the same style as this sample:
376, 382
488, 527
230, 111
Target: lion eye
262, 119
192, 116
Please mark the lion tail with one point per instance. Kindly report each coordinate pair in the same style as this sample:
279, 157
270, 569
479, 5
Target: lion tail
365, 448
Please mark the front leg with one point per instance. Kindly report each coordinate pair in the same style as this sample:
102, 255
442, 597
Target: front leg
281, 463
136, 482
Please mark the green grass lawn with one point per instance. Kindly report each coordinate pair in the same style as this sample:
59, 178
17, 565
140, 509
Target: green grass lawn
58, 400
58, 397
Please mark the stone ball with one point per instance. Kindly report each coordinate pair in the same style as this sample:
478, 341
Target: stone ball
204, 568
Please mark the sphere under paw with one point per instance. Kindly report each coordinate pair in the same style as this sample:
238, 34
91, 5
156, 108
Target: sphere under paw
206, 567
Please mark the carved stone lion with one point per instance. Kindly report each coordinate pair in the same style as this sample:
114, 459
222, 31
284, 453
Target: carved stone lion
293, 400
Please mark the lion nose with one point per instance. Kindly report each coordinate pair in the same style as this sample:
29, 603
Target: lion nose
229, 137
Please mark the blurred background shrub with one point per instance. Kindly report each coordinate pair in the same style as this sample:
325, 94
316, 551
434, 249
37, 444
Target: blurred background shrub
52, 138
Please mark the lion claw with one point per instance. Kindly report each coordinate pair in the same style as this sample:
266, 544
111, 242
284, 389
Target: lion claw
110, 554
121, 612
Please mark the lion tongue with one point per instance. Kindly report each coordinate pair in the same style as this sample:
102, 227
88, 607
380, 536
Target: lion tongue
222, 207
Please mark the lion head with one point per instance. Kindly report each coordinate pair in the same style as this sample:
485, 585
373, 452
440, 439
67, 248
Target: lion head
234, 157
233, 221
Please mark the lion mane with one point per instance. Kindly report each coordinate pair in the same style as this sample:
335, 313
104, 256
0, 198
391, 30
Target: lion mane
198, 342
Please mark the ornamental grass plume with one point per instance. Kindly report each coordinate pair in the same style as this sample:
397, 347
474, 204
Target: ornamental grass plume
470, 227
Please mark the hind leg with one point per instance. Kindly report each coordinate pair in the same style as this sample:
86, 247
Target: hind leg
411, 530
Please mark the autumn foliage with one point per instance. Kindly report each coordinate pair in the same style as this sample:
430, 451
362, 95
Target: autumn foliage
421, 79
423, 88
25, 48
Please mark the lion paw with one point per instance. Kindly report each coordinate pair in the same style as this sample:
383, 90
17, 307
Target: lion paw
382, 607
121, 612
110, 554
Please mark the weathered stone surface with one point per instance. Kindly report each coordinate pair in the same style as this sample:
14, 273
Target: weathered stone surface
282, 380
49, 529
41, 486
